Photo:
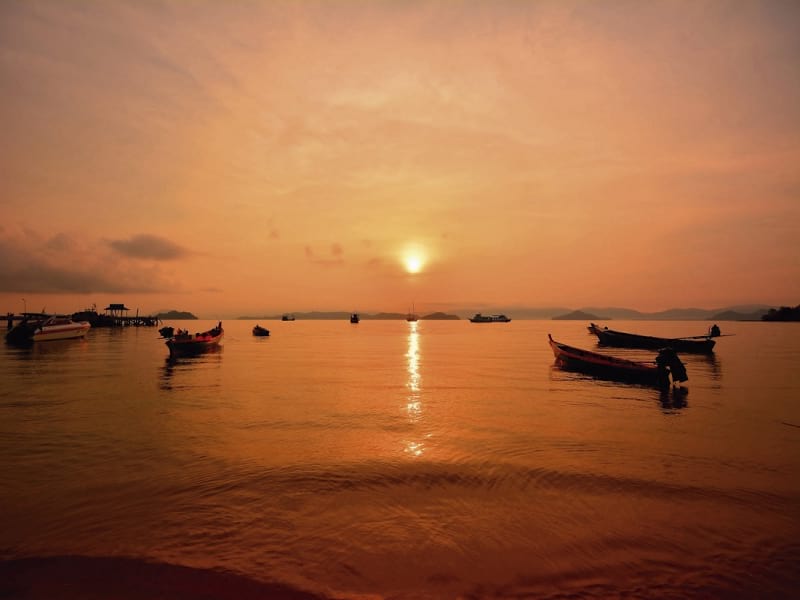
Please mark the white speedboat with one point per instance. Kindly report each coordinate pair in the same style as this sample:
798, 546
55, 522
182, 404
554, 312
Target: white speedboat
60, 328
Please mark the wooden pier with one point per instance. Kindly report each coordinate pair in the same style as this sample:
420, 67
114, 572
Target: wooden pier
115, 315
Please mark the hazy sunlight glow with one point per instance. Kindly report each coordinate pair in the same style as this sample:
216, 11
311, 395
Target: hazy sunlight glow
413, 263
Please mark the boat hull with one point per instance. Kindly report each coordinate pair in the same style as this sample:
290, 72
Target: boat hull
607, 367
619, 339
61, 332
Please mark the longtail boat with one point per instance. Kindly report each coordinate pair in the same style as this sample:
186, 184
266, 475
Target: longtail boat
658, 373
699, 344
260, 331
183, 343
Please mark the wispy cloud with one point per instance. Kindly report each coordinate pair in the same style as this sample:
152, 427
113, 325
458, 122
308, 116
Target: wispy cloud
149, 247
334, 257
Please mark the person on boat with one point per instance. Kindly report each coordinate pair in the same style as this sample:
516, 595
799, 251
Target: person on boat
714, 331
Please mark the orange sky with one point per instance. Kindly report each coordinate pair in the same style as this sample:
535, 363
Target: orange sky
253, 157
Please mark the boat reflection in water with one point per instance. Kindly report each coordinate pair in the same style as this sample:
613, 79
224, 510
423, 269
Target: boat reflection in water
673, 399
178, 366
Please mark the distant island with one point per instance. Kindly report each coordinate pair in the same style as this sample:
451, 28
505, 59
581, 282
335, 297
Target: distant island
784, 313
746, 312
579, 315
336, 316
176, 315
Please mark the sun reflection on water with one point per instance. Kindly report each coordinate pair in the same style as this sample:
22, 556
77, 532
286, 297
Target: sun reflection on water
413, 400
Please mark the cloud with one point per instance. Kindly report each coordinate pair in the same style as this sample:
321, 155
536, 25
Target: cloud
336, 252
63, 263
149, 247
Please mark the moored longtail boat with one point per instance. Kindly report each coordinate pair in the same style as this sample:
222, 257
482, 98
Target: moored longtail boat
701, 344
184, 343
658, 373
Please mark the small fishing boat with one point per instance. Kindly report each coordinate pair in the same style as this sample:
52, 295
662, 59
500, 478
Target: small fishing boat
658, 373
698, 344
183, 343
287, 318
354, 318
479, 318
260, 331
166, 332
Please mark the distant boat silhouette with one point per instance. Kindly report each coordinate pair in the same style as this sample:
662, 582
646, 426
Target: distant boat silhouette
260, 331
412, 316
354, 318
287, 318
479, 318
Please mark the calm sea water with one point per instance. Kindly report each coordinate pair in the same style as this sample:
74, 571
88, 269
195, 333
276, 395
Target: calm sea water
397, 460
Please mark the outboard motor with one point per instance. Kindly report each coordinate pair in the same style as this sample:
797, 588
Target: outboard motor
669, 364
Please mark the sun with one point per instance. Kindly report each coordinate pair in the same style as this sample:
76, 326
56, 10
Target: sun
413, 262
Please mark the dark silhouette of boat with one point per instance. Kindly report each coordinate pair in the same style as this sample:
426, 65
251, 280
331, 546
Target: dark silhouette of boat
260, 331
22, 332
287, 318
183, 343
699, 344
658, 373
354, 318
412, 316
479, 318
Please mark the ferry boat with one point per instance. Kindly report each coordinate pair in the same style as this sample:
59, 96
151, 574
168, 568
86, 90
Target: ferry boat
479, 318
